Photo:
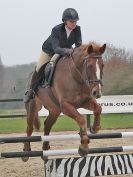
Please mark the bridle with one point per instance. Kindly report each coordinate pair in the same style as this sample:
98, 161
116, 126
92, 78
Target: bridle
86, 80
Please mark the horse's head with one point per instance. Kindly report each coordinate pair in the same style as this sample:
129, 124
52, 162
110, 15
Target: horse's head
92, 66
93, 69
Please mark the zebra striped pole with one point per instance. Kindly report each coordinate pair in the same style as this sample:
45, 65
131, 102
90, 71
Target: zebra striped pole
64, 137
64, 152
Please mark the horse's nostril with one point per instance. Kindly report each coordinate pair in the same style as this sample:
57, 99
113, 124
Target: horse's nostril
98, 96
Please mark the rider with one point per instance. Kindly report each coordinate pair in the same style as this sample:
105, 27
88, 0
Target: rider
59, 43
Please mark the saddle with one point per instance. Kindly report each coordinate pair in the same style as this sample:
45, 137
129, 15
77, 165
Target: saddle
45, 78
46, 73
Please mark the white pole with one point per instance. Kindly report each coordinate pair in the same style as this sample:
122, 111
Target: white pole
61, 137
60, 152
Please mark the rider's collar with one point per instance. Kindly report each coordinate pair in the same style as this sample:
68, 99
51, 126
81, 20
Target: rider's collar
68, 31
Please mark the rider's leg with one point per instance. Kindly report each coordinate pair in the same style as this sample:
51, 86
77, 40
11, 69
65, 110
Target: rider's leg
52, 62
54, 58
44, 58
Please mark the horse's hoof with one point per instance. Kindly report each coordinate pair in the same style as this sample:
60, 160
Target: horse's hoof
93, 131
26, 149
25, 159
83, 151
44, 158
45, 147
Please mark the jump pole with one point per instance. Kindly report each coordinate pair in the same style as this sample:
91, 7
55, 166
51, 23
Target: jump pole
88, 166
64, 137
91, 165
64, 152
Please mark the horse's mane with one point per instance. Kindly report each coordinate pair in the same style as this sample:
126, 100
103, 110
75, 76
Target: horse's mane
94, 44
83, 48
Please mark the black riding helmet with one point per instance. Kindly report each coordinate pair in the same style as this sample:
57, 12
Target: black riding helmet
70, 14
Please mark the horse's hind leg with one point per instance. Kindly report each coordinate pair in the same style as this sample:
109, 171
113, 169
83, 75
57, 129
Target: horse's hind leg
31, 112
49, 122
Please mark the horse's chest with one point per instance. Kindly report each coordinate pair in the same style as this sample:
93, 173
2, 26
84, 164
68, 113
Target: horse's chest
79, 100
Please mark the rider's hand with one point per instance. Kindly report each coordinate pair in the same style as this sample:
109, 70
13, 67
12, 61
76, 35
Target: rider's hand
68, 51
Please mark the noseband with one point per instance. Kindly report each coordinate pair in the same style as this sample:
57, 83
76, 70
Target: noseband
86, 80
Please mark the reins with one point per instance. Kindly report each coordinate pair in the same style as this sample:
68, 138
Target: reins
85, 80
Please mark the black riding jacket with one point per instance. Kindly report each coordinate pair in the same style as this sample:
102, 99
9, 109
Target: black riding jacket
58, 41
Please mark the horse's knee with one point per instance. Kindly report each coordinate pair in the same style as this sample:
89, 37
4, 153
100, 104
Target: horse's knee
97, 110
96, 125
81, 121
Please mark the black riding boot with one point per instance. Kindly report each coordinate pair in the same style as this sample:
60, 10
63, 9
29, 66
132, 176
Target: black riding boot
49, 74
30, 94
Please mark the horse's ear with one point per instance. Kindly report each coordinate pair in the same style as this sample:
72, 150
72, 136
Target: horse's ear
90, 49
102, 49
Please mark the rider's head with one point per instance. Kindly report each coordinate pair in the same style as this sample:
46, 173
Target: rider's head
70, 17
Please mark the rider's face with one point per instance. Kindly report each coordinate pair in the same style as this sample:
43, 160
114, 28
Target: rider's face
71, 24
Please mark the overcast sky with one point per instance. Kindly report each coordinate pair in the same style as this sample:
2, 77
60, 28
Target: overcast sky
25, 24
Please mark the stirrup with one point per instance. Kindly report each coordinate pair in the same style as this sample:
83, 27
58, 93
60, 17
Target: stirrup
29, 94
45, 84
52, 63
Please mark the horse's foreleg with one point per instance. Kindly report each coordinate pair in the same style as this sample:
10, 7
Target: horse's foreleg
49, 122
96, 108
97, 117
70, 110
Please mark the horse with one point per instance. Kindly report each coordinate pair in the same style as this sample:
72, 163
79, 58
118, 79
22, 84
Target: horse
77, 83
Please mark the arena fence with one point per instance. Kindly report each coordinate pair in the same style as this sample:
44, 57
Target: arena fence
12, 115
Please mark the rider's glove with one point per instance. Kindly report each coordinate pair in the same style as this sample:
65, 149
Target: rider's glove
68, 51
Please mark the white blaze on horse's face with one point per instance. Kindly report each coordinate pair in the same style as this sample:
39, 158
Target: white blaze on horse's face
97, 70
98, 74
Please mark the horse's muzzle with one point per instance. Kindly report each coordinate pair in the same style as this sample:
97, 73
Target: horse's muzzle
96, 92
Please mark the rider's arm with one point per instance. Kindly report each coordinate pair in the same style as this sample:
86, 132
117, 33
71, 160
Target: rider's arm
78, 37
55, 42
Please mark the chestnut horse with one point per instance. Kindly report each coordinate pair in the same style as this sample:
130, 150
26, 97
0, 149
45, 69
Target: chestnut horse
76, 84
